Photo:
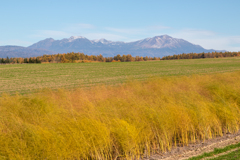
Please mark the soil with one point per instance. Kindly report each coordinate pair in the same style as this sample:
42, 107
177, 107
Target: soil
181, 153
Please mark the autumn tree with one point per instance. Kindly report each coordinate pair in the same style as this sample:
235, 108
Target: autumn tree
117, 57
129, 58
100, 58
63, 59
124, 58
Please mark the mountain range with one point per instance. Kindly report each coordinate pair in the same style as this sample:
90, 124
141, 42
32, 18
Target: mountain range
157, 46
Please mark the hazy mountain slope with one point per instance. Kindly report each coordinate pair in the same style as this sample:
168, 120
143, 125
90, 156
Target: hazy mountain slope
157, 46
18, 51
43, 44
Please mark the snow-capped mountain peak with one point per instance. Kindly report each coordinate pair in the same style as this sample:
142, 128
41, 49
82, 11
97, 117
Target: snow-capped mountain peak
72, 38
154, 46
102, 40
163, 41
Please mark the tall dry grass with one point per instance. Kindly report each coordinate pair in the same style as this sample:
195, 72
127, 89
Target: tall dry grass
132, 120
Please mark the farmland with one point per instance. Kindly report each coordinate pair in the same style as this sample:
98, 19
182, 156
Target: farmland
155, 106
25, 78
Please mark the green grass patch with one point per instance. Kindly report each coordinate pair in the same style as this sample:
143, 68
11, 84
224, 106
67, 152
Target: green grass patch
26, 78
230, 156
217, 151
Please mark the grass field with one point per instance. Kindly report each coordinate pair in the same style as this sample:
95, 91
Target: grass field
25, 78
221, 153
230, 156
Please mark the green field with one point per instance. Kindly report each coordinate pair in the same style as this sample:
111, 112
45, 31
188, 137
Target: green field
228, 152
26, 78
230, 156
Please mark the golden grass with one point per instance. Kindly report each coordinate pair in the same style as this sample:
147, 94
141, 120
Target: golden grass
130, 120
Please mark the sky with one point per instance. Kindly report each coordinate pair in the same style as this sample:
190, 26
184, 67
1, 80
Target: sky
213, 24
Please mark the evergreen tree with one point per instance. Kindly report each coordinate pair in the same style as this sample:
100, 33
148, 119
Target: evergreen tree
7, 60
37, 60
30, 60
2, 60
25, 60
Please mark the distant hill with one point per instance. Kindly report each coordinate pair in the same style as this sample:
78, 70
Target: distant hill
18, 51
157, 46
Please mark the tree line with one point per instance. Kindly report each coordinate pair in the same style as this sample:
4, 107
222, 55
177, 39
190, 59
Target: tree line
77, 58
202, 55
81, 57
19, 60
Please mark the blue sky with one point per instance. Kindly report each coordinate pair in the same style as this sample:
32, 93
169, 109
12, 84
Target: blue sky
209, 23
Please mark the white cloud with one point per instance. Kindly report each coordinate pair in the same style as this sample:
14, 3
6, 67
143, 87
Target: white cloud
235, 49
50, 33
147, 29
235, 39
66, 32
209, 39
79, 28
191, 33
85, 26
108, 36
15, 42
158, 27
124, 30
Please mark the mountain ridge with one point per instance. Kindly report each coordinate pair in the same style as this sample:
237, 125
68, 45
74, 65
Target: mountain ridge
157, 46
19, 51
